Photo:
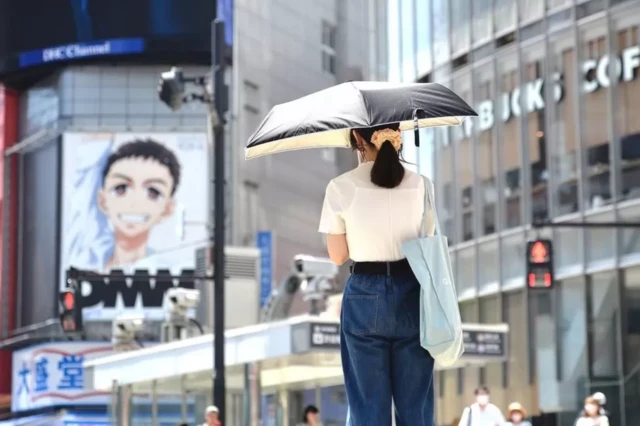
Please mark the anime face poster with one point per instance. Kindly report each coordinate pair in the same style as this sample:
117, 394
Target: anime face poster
132, 202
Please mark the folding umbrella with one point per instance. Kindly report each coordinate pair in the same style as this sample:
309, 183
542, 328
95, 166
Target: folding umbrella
324, 119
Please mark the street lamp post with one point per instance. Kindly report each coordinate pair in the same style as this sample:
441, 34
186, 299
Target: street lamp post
172, 93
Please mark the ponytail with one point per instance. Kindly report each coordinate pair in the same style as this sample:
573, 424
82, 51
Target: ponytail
387, 171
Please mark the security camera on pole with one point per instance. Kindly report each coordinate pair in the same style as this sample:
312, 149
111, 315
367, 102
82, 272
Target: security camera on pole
215, 94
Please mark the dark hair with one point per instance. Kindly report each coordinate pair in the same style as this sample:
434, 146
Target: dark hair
146, 149
387, 170
482, 389
310, 409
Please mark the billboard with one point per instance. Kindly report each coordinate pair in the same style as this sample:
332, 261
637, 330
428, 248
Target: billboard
53, 374
134, 206
66, 30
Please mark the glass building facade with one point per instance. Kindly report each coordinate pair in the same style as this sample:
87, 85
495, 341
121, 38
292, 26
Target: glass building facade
556, 87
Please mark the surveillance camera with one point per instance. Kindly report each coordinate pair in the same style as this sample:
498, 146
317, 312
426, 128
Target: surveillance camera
128, 324
171, 88
182, 299
309, 266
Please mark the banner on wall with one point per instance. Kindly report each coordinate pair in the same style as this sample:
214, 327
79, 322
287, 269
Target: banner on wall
52, 374
134, 207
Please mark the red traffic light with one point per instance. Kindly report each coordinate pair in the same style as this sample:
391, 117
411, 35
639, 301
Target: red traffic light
540, 264
539, 252
69, 301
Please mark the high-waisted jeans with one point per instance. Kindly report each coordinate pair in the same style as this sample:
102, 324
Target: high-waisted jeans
382, 359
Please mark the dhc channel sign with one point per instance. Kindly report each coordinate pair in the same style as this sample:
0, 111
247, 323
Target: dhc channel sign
81, 50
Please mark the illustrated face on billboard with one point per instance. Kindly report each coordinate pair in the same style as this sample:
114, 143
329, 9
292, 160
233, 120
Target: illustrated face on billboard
138, 184
129, 203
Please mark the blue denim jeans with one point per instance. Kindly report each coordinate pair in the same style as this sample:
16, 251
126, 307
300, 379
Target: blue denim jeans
381, 354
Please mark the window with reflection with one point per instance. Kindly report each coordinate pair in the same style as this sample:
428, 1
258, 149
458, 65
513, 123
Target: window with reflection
482, 21
604, 316
441, 48
424, 59
631, 320
461, 23
517, 367
407, 28
504, 14
594, 96
491, 313
444, 183
627, 125
462, 139
563, 129
469, 312
393, 41
557, 4
529, 97
486, 168
531, 10
509, 146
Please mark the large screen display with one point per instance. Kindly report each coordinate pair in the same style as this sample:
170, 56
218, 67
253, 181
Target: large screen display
61, 30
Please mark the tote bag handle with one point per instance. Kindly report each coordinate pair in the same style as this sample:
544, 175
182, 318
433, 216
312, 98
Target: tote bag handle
429, 204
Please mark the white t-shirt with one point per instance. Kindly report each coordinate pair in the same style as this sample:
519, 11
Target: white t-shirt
490, 416
377, 220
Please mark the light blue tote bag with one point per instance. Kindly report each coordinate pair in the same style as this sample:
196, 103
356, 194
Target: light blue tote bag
440, 323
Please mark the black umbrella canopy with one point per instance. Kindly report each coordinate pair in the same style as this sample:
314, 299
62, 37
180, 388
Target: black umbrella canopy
324, 119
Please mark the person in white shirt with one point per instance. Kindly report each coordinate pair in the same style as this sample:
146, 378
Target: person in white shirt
482, 412
368, 213
211, 416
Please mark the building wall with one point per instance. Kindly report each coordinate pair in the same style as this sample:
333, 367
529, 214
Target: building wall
553, 141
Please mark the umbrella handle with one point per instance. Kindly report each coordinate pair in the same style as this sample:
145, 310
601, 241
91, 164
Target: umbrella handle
416, 127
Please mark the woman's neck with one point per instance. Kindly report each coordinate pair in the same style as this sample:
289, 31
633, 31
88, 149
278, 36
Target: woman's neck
129, 249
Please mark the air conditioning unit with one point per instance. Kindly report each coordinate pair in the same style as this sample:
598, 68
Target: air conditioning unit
242, 288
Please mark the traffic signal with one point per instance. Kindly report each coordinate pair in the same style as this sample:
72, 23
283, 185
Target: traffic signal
71, 312
540, 264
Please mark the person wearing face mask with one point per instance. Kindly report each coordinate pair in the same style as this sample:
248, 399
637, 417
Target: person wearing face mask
482, 412
592, 416
516, 415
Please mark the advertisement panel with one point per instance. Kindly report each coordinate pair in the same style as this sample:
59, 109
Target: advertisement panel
135, 207
52, 374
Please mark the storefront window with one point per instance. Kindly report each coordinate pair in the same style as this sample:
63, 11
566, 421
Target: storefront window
482, 25
517, 373
441, 48
509, 141
407, 29
504, 14
595, 116
528, 101
491, 313
604, 317
572, 336
462, 139
424, 61
485, 155
631, 341
563, 129
461, 24
627, 126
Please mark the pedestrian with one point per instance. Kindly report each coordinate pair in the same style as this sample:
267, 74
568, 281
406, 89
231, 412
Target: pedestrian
592, 415
311, 416
211, 416
602, 401
368, 213
482, 412
516, 415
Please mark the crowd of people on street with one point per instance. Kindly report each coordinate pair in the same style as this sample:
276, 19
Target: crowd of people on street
483, 413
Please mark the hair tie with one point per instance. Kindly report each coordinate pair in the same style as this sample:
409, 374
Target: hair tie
381, 136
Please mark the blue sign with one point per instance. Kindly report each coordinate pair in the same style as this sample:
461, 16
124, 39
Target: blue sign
264, 241
122, 46
53, 374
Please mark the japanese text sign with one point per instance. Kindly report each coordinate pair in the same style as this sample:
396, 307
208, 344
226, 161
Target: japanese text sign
52, 374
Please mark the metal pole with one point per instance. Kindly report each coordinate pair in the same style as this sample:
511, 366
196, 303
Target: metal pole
218, 234
585, 225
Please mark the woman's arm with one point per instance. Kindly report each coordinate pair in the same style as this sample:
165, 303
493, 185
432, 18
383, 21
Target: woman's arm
338, 248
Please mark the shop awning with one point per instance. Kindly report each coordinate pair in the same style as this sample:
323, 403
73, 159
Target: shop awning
289, 351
